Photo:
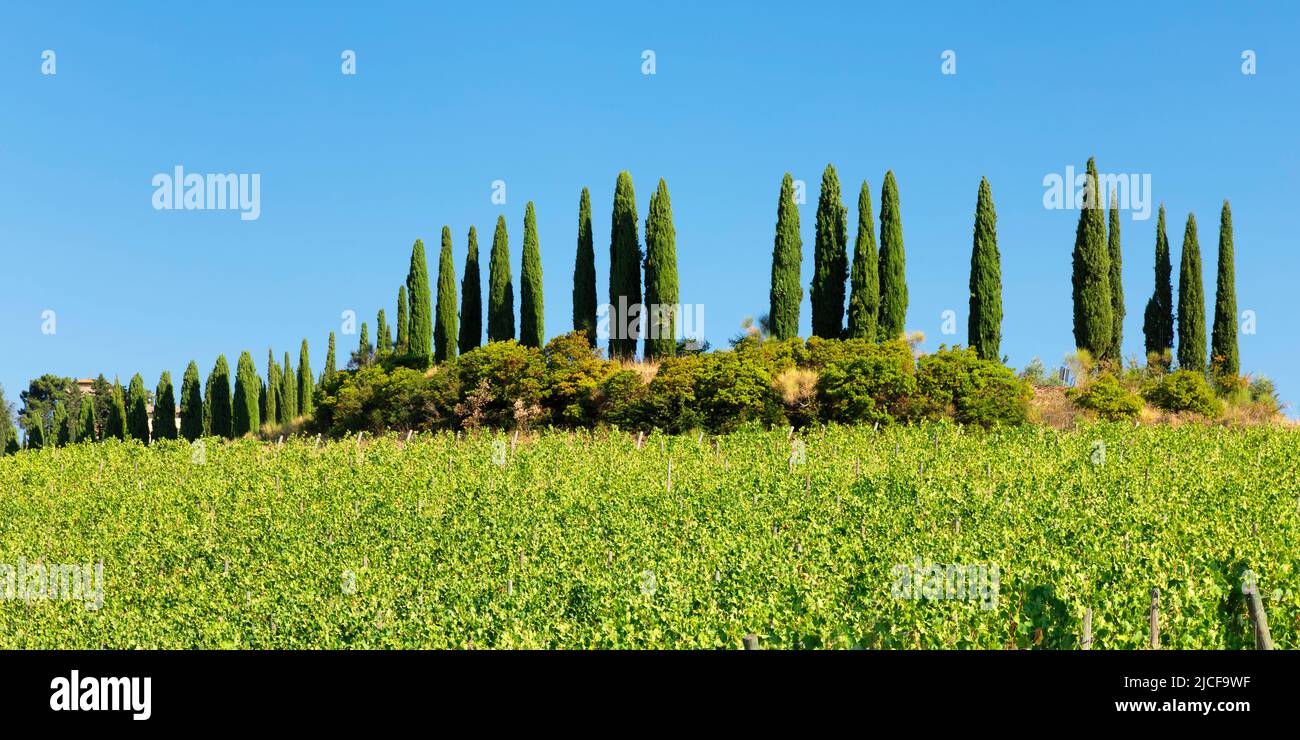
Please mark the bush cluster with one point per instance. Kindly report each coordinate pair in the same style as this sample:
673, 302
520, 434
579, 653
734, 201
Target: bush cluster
766, 383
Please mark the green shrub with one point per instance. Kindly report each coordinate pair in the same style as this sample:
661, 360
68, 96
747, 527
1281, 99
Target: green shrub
867, 383
821, 352
574, 372
620, 398
669, 403
735, 388
501, 385
1000, 398
957, 382
1183, 390
1108, 399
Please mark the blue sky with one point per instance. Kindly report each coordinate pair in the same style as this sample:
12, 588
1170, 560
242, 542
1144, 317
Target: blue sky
550, 99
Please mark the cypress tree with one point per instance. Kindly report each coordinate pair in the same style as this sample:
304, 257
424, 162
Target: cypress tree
1115, 353
274, 390
661, 288
1093, 314
115, 424
1191, 303
137, 410
86, 421
364, 349
471, 298
59, 425
221, 423
383, 337
1158, 321
245, 418
532, 320
984, 323
102, 397
330, 367
624, 270
864, 298
893, 277
164, 408
36, 435
584, 273
501, 291
191, 404
1224, 342
289, 392
444, 330
306, 384
403, 320
830, 259
420, 334
787, 255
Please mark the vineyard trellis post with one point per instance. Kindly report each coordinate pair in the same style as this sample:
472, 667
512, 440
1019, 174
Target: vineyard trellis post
1155, 619
1258, 618
1086, 642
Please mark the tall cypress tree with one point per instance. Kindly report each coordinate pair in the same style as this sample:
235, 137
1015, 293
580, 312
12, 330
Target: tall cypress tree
221, 422
1224, 342
383, 337
59, 430
830, 259
273, 391
330, 364
102, 397
1158, 321
364, 350
624, 270
893, 274
306, 381
1191, 303
501, 290
984, 323
420, 334
661, 286
403, 321
532, 319
1115, 353
36, 435
86, 421
584, 273
115, 424
137, 410
444, 330
164, 408
1093, 313
289, 392
864, 298
787, 256
471, 298
191, 403
245, 418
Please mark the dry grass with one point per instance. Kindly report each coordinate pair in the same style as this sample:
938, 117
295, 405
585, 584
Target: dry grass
1052, 408
797, 386
647, 369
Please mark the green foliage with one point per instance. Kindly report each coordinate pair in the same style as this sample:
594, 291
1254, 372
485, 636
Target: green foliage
402, 344
191, 403
1158, 321
893, 277
864, 295
735, 390
1191, 303
661, 290
503, 385
787, 256
383, 335
245, 418
59, 428
669, 401
218, 400
1090, 278
584, 273
1224, 357
115, 426
624, 264
471, 298
1183, 390
164, 408
1115, 352
306, 381
501, 291
445, 333
830, 259
1108, 399
868, 386
984, 325
973, 390
532, 315
420, 332
574, 373
86, 421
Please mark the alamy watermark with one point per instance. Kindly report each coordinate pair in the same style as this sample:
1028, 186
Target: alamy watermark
684, 321
211, 192
39, 582
937, 581
1073, 191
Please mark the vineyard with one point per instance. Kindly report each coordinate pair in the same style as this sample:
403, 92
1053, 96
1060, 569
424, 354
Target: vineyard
608, 540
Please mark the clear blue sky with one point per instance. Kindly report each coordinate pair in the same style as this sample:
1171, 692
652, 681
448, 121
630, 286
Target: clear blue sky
549, 99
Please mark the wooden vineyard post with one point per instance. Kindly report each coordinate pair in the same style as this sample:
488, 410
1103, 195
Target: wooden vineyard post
1258, 619
751, 641
1155, 619
1086, 642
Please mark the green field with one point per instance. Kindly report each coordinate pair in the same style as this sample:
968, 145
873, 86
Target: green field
577, 540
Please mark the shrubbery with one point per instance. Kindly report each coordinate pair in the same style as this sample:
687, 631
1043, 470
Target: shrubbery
760, 382
1183, 390
1108, 399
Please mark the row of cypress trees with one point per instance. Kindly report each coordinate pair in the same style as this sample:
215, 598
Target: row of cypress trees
877, 301
434, 328
1099, 293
